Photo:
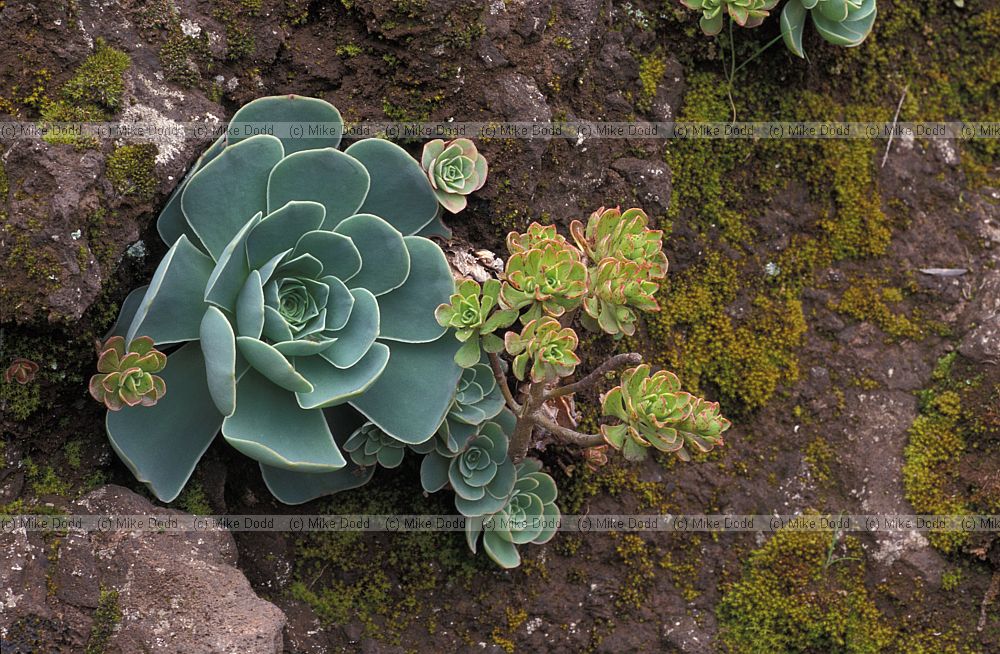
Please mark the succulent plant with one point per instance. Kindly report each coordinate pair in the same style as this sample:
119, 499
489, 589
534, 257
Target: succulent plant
841, 22
477, 399
609, 233
474, 314
20, 370
549, 278
536, 235
745, 13
702, 429
530, 515
656, 413
295, 282
369, 445
455, 169
617, 286
480, 473
547, 346
127, 375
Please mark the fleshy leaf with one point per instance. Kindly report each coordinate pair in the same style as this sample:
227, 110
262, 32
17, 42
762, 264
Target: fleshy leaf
286, 110
400, 192
330, 177
408, 311
218, 344
171, 310
220, 198
161, 444
332, 385
280, 230
358, 334
401, 402
385, 259
272, 364
270, 427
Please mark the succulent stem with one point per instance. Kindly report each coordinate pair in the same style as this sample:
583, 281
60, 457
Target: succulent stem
534, 397
502, 383
569, 435
614, 363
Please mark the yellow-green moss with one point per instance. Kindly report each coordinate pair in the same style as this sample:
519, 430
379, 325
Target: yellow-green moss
44, 481
700, 340
638, 570
869, 299
131, 170
935, 447
651, 70
193, 500
20, 401
106, 619
792, 598
345, 576
98, 81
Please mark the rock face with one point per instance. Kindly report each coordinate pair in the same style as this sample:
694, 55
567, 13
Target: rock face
130, 591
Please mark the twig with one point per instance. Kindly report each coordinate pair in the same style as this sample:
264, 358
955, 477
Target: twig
892, 132
573, 436
614, 363
534, 397
501, 378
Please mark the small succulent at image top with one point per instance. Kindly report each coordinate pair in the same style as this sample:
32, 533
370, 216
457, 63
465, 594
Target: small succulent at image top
474, 315
550, 279
845, 23
547, 347
21, 371
455, 169
655, 412
530, 515
617, 286
610, 233
369, 445
745, 13
126, 376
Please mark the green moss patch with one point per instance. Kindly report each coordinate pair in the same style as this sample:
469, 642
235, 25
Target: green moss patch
798, 594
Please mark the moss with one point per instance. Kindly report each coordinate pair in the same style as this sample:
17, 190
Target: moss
349, 50
193, 500
178, 57
130, 168
950, 579
869, 299
936, 442
383, 583
98, 81
639, 570
107, 617
74, 453
651, 69
44, 481
747, 359
20, 401
819, 456
792, 599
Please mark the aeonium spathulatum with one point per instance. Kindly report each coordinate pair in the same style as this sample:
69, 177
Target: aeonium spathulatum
126, 376
545, 348
654, 412
549, 278
297, 293
474, 315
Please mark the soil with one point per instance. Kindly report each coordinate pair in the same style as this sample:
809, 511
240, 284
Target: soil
830, 436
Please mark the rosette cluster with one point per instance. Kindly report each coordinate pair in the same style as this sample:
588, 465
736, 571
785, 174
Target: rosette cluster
298, 299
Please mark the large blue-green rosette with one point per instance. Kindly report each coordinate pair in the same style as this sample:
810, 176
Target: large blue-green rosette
299, 302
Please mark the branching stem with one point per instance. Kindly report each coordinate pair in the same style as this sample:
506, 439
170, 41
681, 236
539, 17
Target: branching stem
501, 378
614, 363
